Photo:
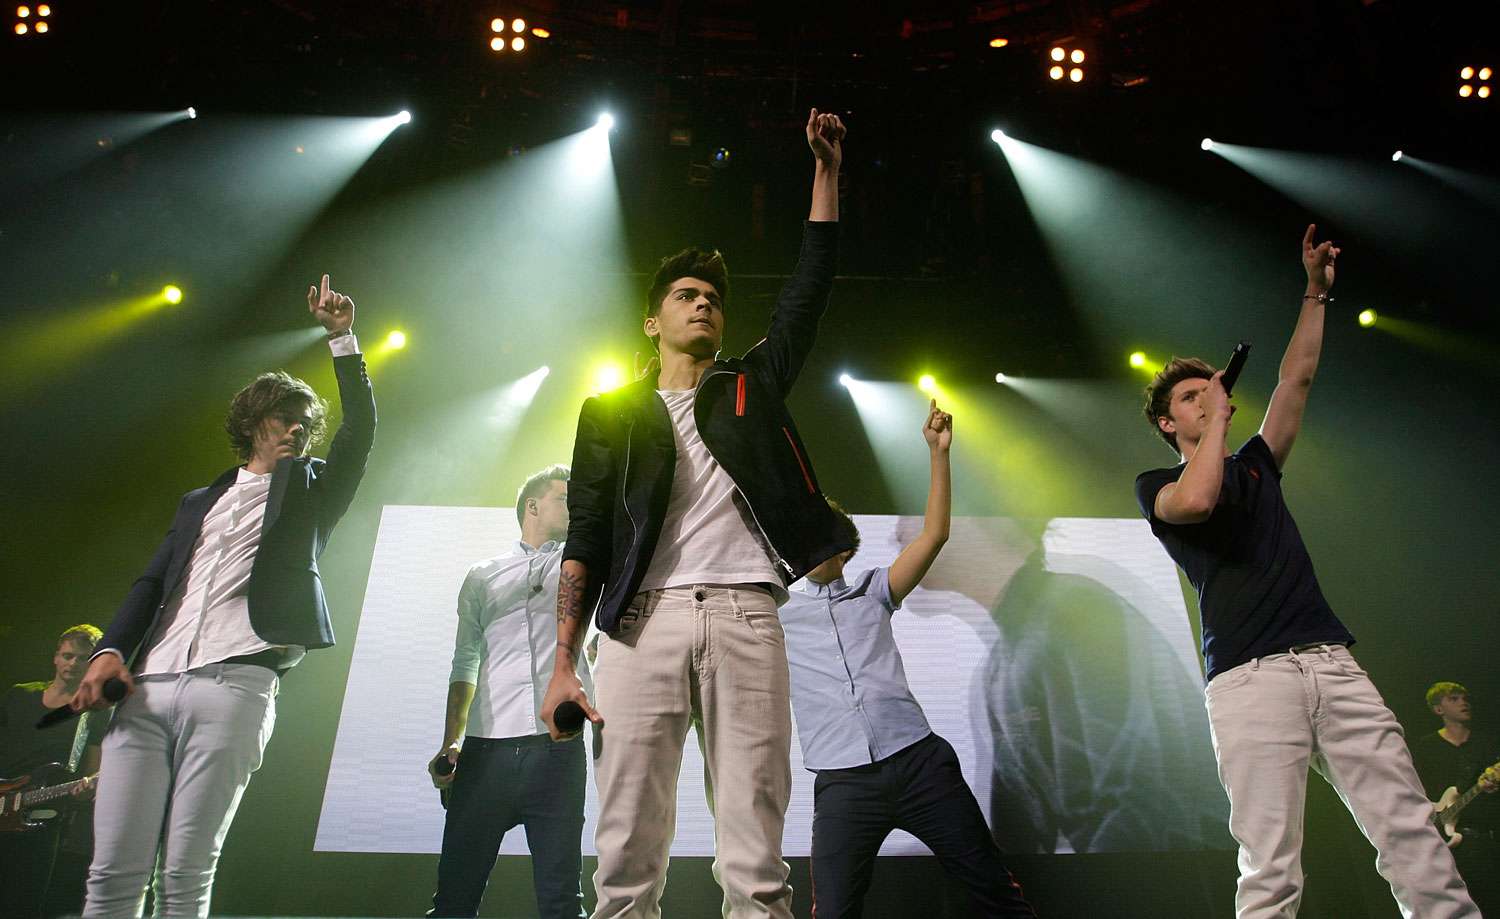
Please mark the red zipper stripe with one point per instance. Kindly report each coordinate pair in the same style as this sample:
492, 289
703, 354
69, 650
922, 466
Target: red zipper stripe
806, 476
739, 395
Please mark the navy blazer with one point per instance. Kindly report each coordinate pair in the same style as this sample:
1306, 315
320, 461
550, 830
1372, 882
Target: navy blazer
307, 498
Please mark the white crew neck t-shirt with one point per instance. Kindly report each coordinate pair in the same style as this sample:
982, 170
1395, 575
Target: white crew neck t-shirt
709, 535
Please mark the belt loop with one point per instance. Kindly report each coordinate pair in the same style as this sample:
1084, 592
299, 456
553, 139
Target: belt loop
219, 677
1255, 664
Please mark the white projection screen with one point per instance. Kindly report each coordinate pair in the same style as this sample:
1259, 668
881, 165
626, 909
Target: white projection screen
1056, 656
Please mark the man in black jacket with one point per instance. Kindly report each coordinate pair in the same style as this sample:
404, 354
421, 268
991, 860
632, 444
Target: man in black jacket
692, 506
228, 603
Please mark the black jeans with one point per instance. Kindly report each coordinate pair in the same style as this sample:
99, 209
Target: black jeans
531, 781
920, 790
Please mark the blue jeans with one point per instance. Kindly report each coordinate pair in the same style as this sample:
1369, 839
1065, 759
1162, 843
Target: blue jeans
500, 783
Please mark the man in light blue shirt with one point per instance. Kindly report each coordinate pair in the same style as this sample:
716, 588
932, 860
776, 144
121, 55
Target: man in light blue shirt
879, 765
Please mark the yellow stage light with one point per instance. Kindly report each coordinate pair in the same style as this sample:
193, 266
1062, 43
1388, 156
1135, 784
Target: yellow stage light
1465, 91
497, 25
1076, 74
21, 28
1466, 74
1484, 91
999, 42
518, 44
926, 383
396, 340
1077, 56
1058, 54
1484, 73
41, 27
608, 377
1138, 359
540, 32
44, 10
23, 12
497, 44
1367, 318
172, 294
518, 25
1055, 73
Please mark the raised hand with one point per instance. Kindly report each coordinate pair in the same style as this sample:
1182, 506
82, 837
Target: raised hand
334, 310
937, 430
1318, 260
825, 135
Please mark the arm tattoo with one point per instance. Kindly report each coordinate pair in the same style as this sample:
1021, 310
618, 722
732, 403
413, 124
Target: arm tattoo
570, 590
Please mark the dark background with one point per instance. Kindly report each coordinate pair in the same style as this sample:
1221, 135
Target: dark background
944, 270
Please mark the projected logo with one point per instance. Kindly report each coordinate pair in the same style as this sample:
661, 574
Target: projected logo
1055, 656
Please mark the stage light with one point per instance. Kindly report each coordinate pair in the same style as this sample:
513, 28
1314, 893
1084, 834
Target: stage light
1484, 73
23, 12
43, 10
1059, 54
1138, 359
721, 158
845, 380
172, 294
1076, 74
518, 44
1465, 91
1207, 144
21, 28
396, 340
1001, 378
1396, 157
1484, 91
999, 42
497, 44
608, 377
606, 121
403, 117
997, 135
192, 112
1466, 74
497, 25
518, 25
1368, 318
41, 27
926, 383
1055, 73
1077, 56
540, 32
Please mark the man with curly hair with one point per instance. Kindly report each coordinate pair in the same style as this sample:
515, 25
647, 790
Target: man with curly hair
230, 601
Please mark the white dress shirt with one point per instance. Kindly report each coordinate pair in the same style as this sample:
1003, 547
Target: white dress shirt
507, 640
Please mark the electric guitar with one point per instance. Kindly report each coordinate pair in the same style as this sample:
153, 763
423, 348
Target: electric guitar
21, 799
1447, 808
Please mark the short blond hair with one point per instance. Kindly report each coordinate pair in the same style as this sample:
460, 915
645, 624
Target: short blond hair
1437, 692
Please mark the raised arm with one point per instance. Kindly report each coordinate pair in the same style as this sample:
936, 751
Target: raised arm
1195, 494
911, 565
350, 449
1300, 363
802, 302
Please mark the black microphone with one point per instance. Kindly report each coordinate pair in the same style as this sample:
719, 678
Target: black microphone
442, 766
1236, 364
568, 716
113, 690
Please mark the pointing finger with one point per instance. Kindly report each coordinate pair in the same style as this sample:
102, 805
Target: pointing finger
1307, 238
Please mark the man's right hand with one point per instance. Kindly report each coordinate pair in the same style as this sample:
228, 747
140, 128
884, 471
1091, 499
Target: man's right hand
1215, 402
566, 687
450, 753
107, 666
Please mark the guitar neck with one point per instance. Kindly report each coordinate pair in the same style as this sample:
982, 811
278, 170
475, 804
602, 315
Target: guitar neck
29, 798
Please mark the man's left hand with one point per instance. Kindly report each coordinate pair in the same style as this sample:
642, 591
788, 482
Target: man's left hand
1318, 260
938, 429
825, 135
334, 310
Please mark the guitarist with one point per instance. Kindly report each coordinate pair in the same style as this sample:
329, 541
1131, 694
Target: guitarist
1457, 756
59, 849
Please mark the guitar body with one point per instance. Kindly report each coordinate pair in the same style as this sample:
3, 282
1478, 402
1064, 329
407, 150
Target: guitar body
19, 809
1446, 819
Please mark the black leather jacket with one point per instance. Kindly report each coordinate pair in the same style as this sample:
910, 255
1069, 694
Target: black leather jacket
625, 455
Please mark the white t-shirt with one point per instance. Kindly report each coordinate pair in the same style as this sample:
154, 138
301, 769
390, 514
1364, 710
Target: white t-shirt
709, 535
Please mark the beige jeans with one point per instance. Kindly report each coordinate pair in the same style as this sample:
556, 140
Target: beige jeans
1275, 716
713, 657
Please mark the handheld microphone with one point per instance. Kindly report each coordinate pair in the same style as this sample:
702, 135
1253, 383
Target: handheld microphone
113, 690
442, 766
1236, 364
568, 716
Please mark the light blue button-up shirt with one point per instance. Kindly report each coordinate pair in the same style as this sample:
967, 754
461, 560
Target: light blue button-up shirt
849, 689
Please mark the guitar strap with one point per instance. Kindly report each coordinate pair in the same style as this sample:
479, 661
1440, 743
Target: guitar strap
80, 739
